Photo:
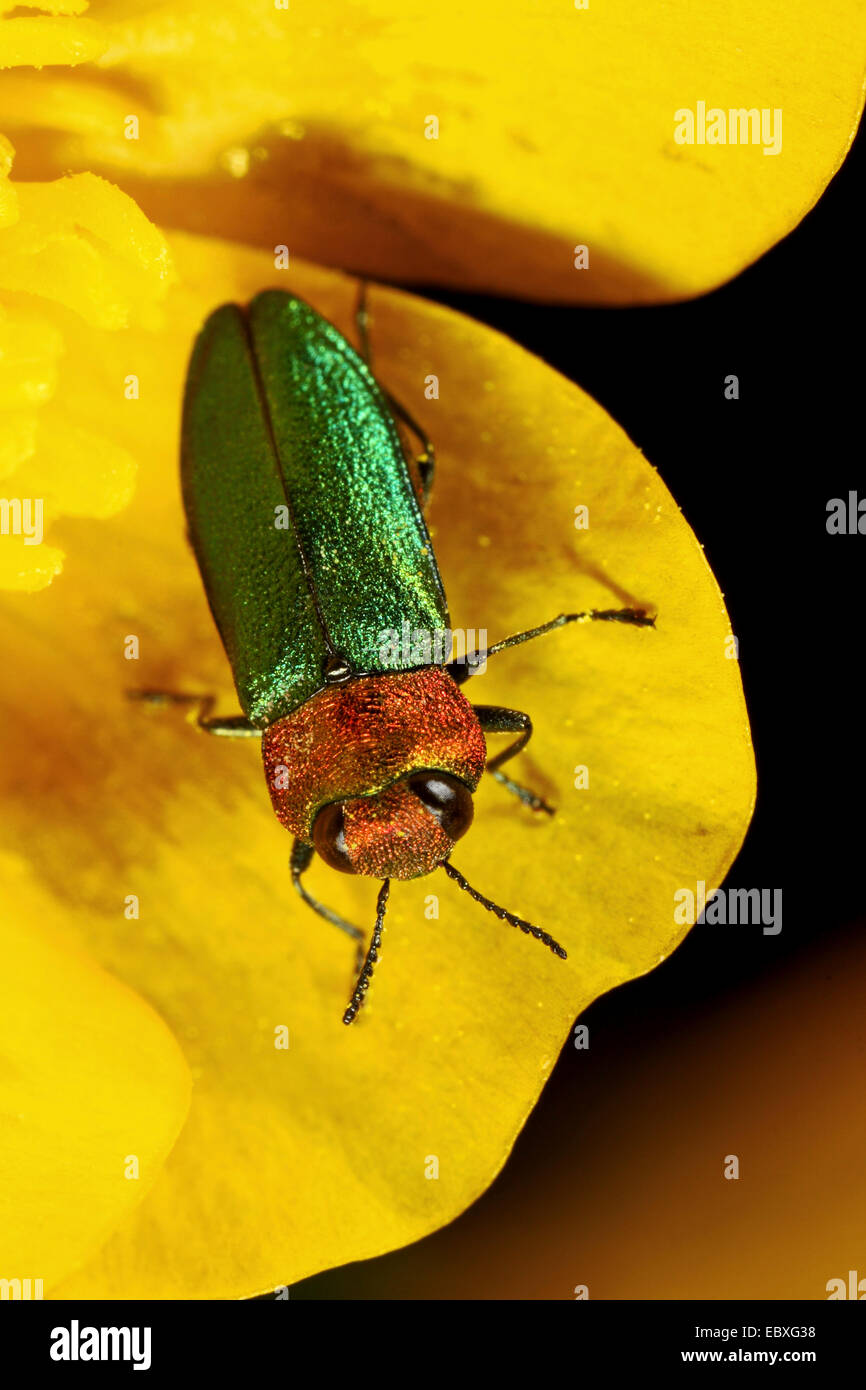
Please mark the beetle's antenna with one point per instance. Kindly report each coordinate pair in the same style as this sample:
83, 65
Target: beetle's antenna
500, 912
363, 982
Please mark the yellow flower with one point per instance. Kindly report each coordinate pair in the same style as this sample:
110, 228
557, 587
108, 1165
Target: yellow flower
93, 1087
553, 144
292, 1160
469, 145
77, 244
163, 1145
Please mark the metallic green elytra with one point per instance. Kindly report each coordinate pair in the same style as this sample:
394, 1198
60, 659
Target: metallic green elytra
301, 510
305, 512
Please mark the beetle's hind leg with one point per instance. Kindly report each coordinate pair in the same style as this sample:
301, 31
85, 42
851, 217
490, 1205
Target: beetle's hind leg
425, 462
300, 861
200, 706
494, 719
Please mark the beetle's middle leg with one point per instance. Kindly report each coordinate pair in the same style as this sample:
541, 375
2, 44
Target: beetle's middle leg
200, 706
425, 462
302, 857
496, 720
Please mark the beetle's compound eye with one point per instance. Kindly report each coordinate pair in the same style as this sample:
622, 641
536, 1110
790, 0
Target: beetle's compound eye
449, 800
329, 838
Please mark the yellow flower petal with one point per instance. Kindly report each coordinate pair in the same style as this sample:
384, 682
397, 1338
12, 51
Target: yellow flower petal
8, 200
85, 244
36, 42
311, 126
293, 1160
91, 1084
51, 7
27, 568
16, 441
78, 244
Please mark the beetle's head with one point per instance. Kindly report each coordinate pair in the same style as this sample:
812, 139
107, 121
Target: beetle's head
378, 773
402, 832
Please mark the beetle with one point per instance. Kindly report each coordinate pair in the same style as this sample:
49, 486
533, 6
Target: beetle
305, 509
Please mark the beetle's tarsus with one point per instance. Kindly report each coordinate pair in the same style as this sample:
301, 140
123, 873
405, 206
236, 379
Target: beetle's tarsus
524, 794
228, 726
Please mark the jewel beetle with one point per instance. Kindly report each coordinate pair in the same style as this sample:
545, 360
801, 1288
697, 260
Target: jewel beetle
305, 509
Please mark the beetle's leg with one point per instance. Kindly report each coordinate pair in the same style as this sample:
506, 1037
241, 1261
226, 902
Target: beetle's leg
300, 861
231, 726
496, 720
426, 460
468, 665
362, 324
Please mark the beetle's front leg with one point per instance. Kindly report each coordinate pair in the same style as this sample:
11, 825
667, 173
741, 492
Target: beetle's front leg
302, 857
494, 719
200, 706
